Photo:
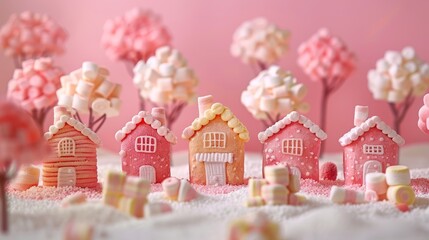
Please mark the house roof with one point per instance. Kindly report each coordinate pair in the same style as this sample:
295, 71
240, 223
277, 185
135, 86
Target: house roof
147, 118
292, 117
80, 127
375, 121
217, 109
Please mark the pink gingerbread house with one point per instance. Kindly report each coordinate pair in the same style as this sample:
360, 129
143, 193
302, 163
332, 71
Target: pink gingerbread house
146, 146
294, 140
371, 146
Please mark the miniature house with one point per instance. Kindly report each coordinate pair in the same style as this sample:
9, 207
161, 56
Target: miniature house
371, 146
73, 159
146, 146
216, 145
294, 140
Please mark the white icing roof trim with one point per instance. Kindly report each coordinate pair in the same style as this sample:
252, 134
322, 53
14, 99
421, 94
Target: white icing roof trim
375, 121
53, 129
291, 118
162, 130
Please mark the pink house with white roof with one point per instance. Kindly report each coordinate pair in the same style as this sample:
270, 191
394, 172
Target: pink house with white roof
146, 146
294, 140
371, 146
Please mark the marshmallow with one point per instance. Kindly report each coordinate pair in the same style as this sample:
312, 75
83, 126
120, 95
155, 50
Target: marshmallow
275, 194
254, 202
100, 105
371, 196
296, 199
398, 175
65, 100
80, 104
78, 231
105, 89
255, 186
27, 177
43, 101
340, 195
111, 198
66, 177
171, 187
136, 187
294, 180
401, 194
268, 104
376, 182
74, 199
186, 192
36, 81
89, 70
132, 206
277, 174
84, 89
157, 208
114, 182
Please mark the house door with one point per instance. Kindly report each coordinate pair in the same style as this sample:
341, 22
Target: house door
215, 173
66, 177
148, 172
369, 167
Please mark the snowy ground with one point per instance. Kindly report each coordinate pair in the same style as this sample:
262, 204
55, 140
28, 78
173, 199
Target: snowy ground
209, 216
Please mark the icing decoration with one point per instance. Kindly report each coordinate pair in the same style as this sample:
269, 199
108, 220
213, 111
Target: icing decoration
27, 177
214, 157
290, 118
254, 226
272, 93
258, 41
87, 90
370, 123
33, 87
134, 36
328, 171
31, 35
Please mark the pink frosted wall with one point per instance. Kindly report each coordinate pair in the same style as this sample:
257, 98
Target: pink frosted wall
202, 30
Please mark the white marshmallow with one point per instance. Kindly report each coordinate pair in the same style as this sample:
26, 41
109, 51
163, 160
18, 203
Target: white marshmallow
105, 89
166, 70
268, 104
84, 89
398, 175
80, 104
89, 70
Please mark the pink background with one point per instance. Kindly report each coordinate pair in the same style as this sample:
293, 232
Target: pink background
202, 30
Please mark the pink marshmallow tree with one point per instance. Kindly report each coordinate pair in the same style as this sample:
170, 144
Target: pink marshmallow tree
326, 59
21, 142
423, 122
34, 86
259, 43
30, 35
399, 77
273, 94
87, 91
166, 80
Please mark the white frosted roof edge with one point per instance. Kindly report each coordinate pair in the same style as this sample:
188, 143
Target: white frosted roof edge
288, 119
374, 121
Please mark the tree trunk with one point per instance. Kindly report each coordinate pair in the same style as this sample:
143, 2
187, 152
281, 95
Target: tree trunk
3, 204
323, 113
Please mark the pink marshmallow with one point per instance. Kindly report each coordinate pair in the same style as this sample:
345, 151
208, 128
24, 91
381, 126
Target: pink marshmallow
186, 192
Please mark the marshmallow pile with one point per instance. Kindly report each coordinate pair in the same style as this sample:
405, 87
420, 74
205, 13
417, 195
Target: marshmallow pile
129, 195
178, 190
326, 57
165, 77
279, 187
30, 35
397, 75
259, 41
87, 87
254, 226
274, 91
423, 122
134, 36
35, 85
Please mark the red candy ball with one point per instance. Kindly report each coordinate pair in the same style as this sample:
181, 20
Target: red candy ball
328, 171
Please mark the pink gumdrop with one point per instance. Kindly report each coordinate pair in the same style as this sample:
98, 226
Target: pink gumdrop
328, 171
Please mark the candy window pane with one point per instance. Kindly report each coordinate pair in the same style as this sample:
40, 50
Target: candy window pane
66, 147
214, 140
373, 149
145, 144
292, 146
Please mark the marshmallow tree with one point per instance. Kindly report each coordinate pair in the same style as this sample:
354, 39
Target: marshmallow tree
423, 122
34, 86
273, 94
165, 80
399, 78
134, 36
326, 59
259, 43
87, 91
21, 142
30, 35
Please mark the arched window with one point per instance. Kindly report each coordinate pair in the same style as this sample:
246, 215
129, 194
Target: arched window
66, 147
145, 144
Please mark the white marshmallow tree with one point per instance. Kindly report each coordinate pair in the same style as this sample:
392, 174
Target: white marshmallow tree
165, 80
399, 77
87, 91
273, 94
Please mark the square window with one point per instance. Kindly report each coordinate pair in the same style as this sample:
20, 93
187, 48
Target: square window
214, 140
292, 146
373, 149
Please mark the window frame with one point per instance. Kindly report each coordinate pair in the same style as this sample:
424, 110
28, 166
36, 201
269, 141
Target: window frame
373, 149
214, 140
145, 144
296, 149
66, 147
